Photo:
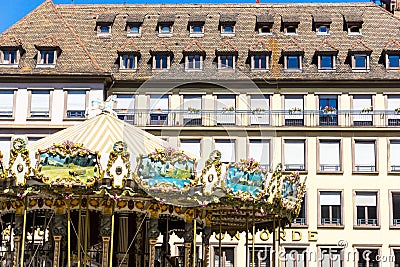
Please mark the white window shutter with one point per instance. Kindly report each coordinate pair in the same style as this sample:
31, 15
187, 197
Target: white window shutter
125, 102
393, 102
227, 149
294, 152
366, 199
329, 199
364, 153
329, 153
40, 101
191, 146
159, 102
395, 153
260, 151
191, 101
226, 101
361, 102
293, 102
6, 101
5, 146
259, 101
76, 100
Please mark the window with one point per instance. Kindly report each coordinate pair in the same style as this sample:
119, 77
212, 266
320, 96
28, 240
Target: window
165, 29
159, 105
293, 62
192, 108
331, 257
360, 62
196, 29
294, 155
40, 103
330, 208
134, 29
191, 146
368, 257
259, 150
291, 29
366, 209
6, 103
227, 149
226, 105
128, 62
329, 156
393, 61
161, 62
5, 147
354, 30
264, 30
362, 108
395, 212
226, 62
9, 57
394, 156
364, 156
224, 259
294, 110
227, 29
104, 29
328, 105
76, 104
326, 62
125, 107
323, 30
295, 257
262, 256
194, 62
47, 58
302, 217
396, 254
260, 62
259, 105
393, 102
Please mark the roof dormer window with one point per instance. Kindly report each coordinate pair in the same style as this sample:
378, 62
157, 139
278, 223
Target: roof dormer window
165, 25
47, 57
290, 25
104, 23
10, 52
264, 24
48, 52
321, 23
322, 30
134, 25
9, 57
264, 30
360, 56
353, 24
227, 24
291, 30
196, 25
392, 55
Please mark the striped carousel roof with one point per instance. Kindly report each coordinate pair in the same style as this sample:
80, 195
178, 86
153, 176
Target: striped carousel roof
99, 134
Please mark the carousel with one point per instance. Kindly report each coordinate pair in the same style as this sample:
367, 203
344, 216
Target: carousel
101, 193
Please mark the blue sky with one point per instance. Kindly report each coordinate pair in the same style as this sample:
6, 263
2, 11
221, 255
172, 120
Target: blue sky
13, 10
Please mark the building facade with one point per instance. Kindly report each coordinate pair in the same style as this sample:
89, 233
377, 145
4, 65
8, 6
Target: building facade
312, 86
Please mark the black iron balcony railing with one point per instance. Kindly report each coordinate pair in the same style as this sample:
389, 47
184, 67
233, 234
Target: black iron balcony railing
268, 118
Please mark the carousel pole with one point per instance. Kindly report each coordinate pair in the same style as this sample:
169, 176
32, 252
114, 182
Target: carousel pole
279, 242
247, 239
194, 238
69, 233
21, 262
86, 233
79, 229
274, 243
253, 242
220, 239
112, 235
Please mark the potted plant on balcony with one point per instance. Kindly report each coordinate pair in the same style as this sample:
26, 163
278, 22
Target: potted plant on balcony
295, 110
258, 110
367, 110
329, 110
228, 109
193, 110
397, 110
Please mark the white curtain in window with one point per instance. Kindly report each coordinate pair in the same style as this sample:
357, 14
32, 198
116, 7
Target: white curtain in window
395, 153
5, 146
192, 146
329, 199
259, 101
226, 101
76, 100
393, 102
364, 153
259, 150
366, 199
227, 149
361, 102
294, 152
159, 102
191, 101
40, 101
329, 153
293, 102
125, 102
6, 101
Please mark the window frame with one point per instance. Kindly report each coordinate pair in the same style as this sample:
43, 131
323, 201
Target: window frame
340, 141
318, 26
226, 67
188, 139
261, 27
294, 26
389, 160
39, 63
154, 62
392, 225
286, 63
351, 26
129, 26
333, 59
367, 247
388, 67
30, 92
17, 57
360, 69
304, 140
253, 65
331, 224
162, 25
261, 140
362, 140
100, 26
14, 94
366, 226
193, 25
258, 246
320, 257
215, 246
188, 62
227, 140
306, 209
224, 25
122, 62
66, 90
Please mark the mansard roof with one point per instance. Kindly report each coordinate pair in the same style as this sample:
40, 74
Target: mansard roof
84, 52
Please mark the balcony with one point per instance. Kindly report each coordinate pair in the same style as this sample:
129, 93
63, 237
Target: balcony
372, 222
331, 221
329, 168
249, 118
299, 221
396, 222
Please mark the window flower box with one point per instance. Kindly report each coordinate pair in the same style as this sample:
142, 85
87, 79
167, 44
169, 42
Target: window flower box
295, 110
